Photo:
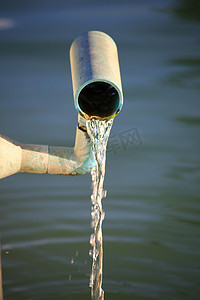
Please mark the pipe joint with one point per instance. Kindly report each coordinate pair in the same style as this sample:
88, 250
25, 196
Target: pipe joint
43, 159
97, 94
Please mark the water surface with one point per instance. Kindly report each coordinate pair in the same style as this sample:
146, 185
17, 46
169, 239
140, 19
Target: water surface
151, 231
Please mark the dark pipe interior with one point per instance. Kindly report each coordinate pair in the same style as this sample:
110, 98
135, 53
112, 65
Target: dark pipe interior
99, 99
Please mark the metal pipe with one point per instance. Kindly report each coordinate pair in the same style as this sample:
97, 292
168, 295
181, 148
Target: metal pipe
97, 94
96, 76
43, 159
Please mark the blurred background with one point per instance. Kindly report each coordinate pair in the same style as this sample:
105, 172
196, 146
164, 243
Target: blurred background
151, 230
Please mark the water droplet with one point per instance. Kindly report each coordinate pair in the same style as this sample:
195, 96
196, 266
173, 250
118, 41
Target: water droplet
72, 260
104, 193
92, 239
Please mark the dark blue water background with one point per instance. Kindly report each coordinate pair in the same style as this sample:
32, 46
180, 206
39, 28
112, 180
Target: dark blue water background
151, 231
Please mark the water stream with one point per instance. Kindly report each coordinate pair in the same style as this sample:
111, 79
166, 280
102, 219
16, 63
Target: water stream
152, 228
99, 133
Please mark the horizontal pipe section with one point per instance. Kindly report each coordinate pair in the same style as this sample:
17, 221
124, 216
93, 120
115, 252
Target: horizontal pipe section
15, 157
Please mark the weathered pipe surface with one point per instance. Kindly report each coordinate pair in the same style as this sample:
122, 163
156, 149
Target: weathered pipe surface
96, 76
97, 93
16, 157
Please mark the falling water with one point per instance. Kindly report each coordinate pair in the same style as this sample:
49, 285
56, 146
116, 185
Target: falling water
99, 133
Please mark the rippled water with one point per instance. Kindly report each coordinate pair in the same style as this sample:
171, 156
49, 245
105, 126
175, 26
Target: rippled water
151, 231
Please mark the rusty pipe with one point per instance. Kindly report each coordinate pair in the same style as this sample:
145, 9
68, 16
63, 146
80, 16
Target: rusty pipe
96, 76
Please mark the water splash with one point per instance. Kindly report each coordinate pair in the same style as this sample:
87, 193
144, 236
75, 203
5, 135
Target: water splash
99, 133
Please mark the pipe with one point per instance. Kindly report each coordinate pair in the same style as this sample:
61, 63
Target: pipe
97, 94
43, 159
96, 76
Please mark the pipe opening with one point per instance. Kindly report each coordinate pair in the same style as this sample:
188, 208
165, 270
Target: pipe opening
99, 99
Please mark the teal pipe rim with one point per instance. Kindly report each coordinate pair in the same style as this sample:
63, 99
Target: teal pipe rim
85, 115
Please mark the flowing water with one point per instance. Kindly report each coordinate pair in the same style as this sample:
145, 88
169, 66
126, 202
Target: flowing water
99, 133
151, 232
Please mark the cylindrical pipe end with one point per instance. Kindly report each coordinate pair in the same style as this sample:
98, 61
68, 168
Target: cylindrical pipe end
96, 75
10, 157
